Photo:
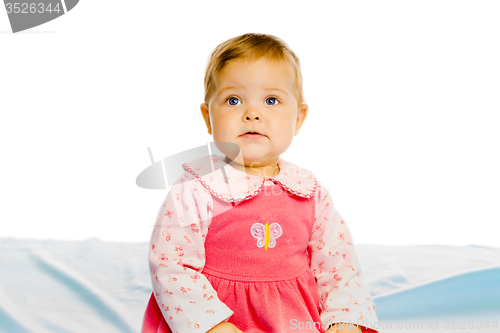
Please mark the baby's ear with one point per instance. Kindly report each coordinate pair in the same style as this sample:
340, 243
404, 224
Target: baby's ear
206, 116
301, 116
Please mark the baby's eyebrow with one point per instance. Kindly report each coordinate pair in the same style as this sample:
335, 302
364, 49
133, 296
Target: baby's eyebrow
224, 89
284, 92
228, 88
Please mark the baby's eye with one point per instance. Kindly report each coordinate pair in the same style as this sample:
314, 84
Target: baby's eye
273, 100
233, 101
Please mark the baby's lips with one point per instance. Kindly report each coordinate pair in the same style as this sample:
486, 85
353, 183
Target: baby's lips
252, 132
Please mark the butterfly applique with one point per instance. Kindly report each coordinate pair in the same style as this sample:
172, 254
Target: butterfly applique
266, 234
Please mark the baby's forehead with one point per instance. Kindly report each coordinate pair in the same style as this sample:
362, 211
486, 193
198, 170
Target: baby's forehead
235, 64
224, 78
241, 62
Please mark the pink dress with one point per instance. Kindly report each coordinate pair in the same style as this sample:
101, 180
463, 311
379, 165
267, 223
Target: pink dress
266, 255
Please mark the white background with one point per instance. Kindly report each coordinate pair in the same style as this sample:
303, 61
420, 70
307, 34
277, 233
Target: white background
403, 125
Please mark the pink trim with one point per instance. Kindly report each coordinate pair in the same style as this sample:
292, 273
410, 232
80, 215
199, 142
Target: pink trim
300, 193
217, 195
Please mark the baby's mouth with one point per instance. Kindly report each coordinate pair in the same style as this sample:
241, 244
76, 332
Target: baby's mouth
252, 135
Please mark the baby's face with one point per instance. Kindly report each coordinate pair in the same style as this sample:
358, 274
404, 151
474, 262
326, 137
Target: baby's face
255, 97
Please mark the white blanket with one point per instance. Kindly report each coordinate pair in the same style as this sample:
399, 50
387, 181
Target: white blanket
97, 286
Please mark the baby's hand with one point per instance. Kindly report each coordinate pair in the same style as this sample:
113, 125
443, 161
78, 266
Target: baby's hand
224, 327
353, 329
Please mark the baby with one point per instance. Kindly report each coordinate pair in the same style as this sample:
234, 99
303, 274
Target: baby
255, 246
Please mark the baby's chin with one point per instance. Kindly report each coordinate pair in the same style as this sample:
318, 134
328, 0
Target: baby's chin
250, 160
252, 155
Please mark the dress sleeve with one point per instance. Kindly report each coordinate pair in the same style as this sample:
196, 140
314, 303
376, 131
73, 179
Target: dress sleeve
176, 257
343, 296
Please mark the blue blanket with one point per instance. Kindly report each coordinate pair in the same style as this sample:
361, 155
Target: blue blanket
98, 286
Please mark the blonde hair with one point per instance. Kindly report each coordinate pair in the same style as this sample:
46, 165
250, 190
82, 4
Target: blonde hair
251, 47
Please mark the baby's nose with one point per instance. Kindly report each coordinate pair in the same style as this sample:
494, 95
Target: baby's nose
252, 112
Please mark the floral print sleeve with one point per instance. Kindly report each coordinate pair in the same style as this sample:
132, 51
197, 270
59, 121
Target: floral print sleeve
333, 260
176, 256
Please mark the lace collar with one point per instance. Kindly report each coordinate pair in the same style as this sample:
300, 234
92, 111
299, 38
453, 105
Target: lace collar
232, 185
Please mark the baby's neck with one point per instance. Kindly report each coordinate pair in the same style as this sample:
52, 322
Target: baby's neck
267, 171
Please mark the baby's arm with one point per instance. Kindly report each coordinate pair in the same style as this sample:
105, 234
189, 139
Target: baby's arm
176, 256
334, 263
353, 329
